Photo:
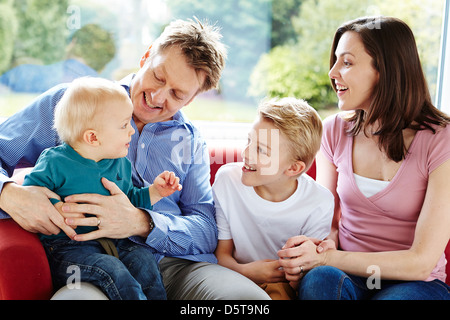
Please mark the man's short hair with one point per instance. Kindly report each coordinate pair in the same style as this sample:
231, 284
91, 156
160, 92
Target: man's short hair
200, 43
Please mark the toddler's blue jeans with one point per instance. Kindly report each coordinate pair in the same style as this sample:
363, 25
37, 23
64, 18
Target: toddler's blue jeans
134, 276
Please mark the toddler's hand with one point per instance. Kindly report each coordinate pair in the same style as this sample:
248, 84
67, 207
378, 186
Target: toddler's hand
166, 184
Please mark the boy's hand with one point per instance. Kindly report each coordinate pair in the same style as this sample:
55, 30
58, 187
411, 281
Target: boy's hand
164, 185
264, 271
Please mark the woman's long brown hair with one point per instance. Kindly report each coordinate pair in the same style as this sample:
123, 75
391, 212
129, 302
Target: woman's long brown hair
401, 98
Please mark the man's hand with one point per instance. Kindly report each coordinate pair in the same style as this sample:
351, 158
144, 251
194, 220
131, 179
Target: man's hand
114, 215
67, 215
30, 207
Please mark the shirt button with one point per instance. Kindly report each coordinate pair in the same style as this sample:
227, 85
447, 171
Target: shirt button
142, 145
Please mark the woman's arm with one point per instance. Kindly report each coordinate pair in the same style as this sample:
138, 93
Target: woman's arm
431, 237
261, 271
327, 176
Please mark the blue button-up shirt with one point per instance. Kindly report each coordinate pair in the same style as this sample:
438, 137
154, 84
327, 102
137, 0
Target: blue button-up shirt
185, 224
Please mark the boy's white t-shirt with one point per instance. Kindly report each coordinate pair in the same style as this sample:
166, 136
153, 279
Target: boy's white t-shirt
259, 228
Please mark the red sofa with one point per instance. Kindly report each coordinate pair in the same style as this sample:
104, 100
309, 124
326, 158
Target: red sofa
24, 270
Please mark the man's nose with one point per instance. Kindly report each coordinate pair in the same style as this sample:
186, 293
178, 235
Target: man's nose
159, 97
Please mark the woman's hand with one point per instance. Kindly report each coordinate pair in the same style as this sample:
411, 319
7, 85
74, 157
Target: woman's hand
114, 215
300, 254
325, 245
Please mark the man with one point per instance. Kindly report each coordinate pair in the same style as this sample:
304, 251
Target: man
186, 59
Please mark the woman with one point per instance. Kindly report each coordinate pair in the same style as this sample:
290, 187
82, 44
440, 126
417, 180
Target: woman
387, 161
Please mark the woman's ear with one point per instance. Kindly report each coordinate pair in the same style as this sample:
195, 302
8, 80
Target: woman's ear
296, 168
145, 57
90, 137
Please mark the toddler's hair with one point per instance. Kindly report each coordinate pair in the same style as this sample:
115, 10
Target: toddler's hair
298, 122
83, 100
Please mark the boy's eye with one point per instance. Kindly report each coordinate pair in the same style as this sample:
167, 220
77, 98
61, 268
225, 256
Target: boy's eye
262, 150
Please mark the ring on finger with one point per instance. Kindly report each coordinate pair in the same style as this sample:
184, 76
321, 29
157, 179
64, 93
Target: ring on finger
98, 222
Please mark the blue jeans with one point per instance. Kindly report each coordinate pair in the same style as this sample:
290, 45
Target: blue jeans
134, 276
329, 283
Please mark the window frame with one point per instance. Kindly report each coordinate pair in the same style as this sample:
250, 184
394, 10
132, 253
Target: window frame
443, 81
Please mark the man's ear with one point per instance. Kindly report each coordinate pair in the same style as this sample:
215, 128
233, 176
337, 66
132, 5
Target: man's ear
145, 56
90, 137
296, 168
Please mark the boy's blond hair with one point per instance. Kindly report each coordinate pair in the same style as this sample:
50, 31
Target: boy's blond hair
83, 100
200, 43
298, 122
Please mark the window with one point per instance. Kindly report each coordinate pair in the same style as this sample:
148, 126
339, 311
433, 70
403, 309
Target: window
442, 93
275, 47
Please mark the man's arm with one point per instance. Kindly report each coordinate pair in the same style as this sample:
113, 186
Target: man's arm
194, 231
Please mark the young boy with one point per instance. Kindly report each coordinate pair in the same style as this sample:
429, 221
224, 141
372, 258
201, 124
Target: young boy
264, 201
93, 122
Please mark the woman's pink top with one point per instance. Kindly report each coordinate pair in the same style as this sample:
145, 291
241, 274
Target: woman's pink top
387, 220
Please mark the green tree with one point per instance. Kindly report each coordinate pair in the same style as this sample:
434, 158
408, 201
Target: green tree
282, 14
8, 30
301, 69
246, 31
42, 30
425, 20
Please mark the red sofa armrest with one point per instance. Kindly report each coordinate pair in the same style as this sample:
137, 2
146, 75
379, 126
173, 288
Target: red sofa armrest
24, 269
220, 155
447, 269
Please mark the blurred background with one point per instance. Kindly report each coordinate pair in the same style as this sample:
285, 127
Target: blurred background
276, 47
